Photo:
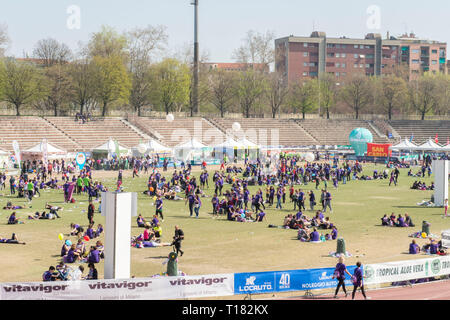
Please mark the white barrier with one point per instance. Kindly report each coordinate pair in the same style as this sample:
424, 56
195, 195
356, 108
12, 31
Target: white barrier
131, 289
406, 270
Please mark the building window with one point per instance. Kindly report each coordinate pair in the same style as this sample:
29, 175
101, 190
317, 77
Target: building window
337, 74
305, 44
356, 46
434, 62
355, 65
305, 74
305, 54
367, 65
370, 56
356, 56
361, 65
434, 51
343, 74
343, 46
343, 65
415, 50
361, 46
343, 55
337, 55
415, 61
305, 64
330, 55
338, 65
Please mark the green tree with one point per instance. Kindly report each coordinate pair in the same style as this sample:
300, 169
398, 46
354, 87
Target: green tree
171, 83
107, 43
249, 89
22, 83
303, 96
111, 81
423, 94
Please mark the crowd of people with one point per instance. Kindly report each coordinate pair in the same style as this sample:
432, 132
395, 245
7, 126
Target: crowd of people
282, 184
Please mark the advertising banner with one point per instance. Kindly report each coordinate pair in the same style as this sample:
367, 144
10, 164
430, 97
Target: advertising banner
16, 148
378, 150
406, 270
45, 151
128, 289
291, 280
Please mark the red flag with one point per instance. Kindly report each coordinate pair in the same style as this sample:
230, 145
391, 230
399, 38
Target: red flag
436, 138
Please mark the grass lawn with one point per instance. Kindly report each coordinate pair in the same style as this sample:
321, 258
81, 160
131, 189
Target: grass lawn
220, 246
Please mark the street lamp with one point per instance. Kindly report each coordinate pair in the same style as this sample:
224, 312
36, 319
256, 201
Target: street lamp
195, 87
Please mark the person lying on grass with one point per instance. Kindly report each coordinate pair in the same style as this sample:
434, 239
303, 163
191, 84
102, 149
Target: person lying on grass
10, 206
138, 243
12, 240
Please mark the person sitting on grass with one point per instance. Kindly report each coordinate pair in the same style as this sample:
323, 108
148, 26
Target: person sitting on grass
50, 275
72, 255
400, 222
13, 219
314, 236
13, 240
334, 233
140, 221
94, 255
414, 247
81, 247
303, 234
90, 232
101, 248
408, 221
392, 219
76, 230
93, 273
260, 216
99, 230
385, 221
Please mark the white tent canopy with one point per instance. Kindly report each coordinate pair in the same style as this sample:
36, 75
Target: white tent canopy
404, 145
247, 143
430, 145
155, 146
446, 148
191, 144
230, 143
51, 149
110, 147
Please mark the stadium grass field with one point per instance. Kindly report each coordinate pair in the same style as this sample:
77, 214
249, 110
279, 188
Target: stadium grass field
221, 246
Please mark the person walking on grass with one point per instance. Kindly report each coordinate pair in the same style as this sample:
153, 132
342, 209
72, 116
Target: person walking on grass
339, 274
445, 208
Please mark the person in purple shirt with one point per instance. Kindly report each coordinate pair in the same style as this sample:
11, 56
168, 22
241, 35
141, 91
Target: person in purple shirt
191, 200
433, 247
90, 231
159, 207
94, 255
358, 280
414, 247
314, 236
339, 274
260, 216
197, 205
400, 221
334, 233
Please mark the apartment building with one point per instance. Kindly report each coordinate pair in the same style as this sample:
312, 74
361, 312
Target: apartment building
309, 57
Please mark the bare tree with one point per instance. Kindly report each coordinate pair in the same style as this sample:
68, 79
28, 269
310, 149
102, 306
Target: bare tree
52, 52
357, 93
221, 84
256, 48
82, 78
4, 39
143, 45
276, 92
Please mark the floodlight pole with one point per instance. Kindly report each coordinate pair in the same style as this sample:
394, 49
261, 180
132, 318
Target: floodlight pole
196, 54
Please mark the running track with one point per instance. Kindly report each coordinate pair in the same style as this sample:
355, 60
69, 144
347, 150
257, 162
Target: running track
438, 290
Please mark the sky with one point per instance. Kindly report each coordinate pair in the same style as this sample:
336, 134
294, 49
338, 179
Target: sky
222, 23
